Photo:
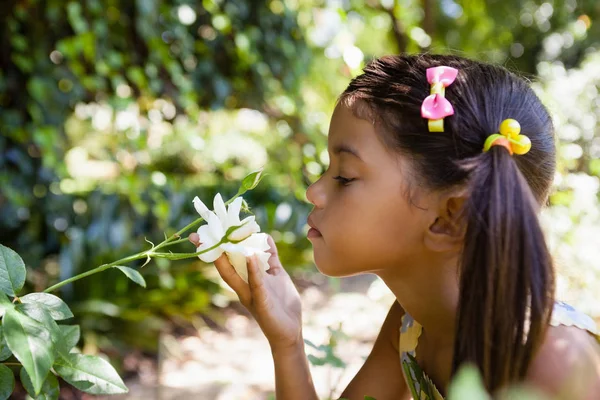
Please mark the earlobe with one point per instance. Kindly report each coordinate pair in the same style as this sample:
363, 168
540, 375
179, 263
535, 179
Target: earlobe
446, 232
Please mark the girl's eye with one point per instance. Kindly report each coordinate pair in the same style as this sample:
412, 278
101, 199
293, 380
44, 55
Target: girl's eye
343, 181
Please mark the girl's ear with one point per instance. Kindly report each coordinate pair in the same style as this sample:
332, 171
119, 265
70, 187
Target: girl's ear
447, 228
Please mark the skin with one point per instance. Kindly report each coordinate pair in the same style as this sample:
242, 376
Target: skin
372, 217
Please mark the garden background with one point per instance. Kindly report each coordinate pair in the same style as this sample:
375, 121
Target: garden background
115, 114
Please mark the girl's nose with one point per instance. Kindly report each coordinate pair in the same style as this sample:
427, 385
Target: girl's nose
315, 195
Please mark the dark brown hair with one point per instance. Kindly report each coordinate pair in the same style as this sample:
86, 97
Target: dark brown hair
506, 272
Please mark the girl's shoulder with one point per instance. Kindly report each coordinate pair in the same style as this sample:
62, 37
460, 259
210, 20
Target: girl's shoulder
569, 359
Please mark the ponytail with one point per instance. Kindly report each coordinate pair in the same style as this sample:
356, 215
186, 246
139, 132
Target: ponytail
506, 273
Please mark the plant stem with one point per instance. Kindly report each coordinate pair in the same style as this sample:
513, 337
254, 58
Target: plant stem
149, 253
97, 269
175, 256
182, 240
12, 364
173, 239
181, 256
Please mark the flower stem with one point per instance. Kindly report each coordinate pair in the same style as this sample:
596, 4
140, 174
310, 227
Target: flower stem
175, 256
165, 244
181, 256
96, 270
173, 239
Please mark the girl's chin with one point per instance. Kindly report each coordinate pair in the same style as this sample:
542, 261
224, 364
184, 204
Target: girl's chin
331, 270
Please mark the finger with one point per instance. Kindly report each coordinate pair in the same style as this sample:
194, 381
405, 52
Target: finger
272, 246
274, 262
195, 239
255, 277
231, 277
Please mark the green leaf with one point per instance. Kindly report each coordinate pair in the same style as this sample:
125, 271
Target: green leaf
42, 315
317, 361
80, 370
467, 384
50, 388
70, 334
31, 344
251, 181
4, 303
5, 352
322, 347
369, 398
133, 275
12, 271
7, 382
59, 310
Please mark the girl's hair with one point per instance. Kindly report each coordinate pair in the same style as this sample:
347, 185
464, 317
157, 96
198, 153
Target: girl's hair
506, 271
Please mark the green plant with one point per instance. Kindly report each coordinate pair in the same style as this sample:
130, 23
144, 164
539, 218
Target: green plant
328, 355
42, 348
468, 385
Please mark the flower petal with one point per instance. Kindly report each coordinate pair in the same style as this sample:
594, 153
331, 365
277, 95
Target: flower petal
209, 256
208, 241
237, 248
257, 242
249, 226
238, 261
216, 229
206, 235
233, 212
263, 258
220, 210
200, 206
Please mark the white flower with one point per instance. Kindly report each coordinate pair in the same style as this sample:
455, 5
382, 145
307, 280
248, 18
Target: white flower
242, 242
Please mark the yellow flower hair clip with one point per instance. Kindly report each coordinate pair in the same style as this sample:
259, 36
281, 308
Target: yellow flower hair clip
510, 138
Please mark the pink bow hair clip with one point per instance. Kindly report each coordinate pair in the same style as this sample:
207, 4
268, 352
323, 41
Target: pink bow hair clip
436, 107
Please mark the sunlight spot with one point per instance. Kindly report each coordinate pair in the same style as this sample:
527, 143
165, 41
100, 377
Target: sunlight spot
186, 14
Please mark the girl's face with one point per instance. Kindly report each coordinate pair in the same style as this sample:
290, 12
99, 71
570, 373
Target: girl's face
361, 209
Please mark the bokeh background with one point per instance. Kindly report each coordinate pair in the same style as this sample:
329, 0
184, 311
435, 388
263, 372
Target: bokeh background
115, 114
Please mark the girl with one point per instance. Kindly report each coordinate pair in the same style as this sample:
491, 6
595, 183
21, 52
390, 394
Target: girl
439, 167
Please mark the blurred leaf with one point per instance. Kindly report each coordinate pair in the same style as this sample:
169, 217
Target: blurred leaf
314, 346
5, 352
467, 384
316, 361
50, 388
12, 271
7, 382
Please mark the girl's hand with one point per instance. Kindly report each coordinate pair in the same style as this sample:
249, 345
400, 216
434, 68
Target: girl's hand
270, 296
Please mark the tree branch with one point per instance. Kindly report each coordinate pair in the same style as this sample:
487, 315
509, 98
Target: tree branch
398, 29
429, 18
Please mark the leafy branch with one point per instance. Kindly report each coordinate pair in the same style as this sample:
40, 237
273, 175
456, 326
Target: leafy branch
43, 348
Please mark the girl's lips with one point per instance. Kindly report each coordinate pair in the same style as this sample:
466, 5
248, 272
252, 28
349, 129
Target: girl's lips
313, 233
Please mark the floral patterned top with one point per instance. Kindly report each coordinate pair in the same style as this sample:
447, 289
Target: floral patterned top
421, 386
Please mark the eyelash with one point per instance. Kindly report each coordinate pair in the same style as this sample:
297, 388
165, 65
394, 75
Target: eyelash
343, 181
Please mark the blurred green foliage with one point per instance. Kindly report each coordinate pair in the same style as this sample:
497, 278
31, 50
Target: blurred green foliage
115, 114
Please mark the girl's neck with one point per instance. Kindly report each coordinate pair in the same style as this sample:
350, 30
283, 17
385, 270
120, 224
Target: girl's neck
430, 296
